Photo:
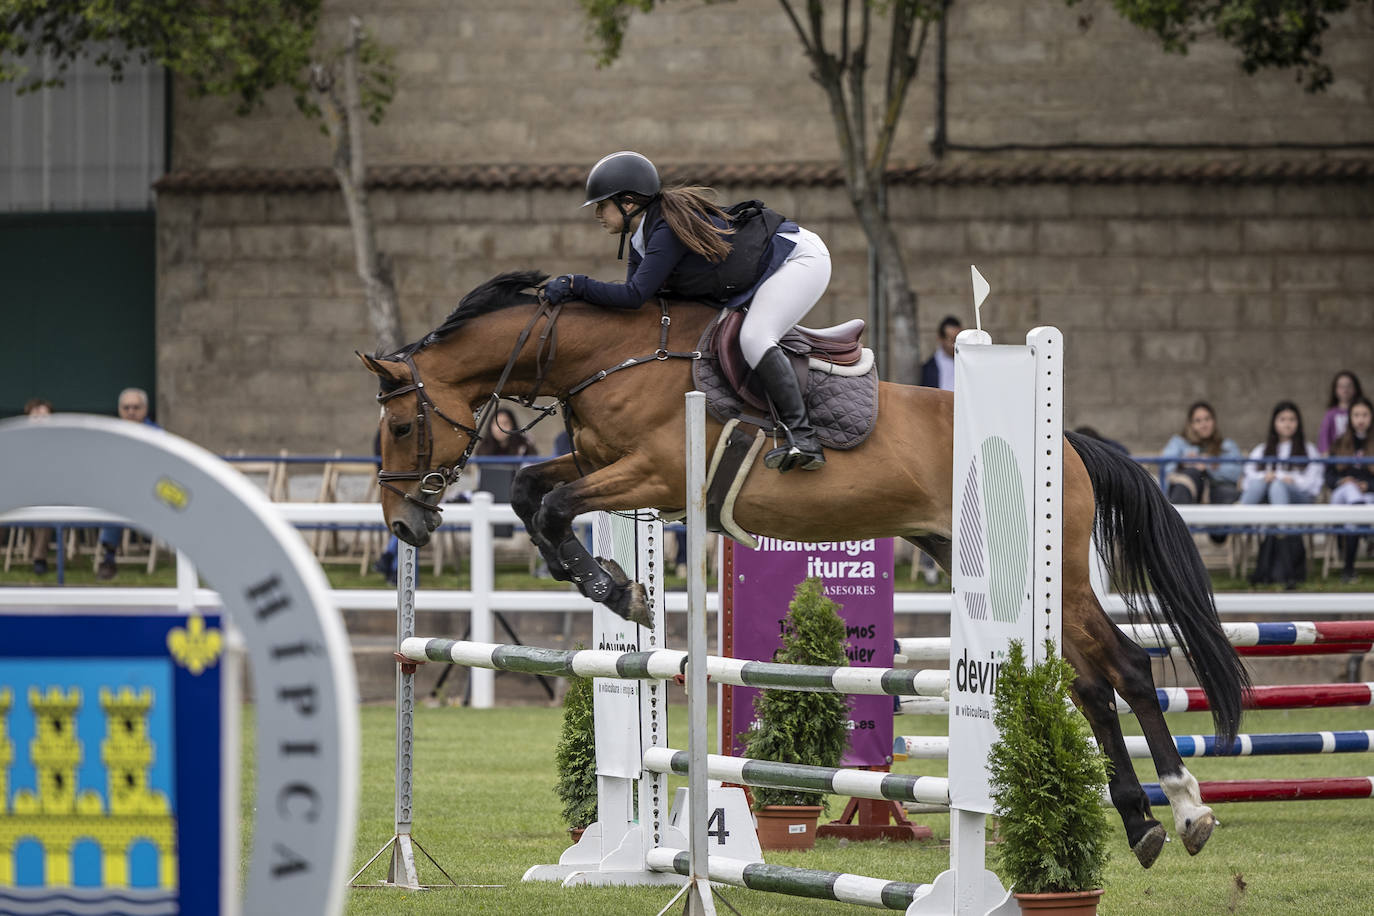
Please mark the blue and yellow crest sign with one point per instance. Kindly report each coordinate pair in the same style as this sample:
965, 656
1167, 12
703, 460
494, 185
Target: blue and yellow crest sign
110, 738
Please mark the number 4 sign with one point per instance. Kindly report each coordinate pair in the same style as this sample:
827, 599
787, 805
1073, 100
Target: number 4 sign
730, 825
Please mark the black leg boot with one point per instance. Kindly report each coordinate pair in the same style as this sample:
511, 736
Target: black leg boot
803, 449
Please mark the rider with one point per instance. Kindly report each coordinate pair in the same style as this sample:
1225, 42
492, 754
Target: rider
682, 239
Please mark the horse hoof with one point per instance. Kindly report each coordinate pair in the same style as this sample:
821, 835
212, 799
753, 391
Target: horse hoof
1197, 832
628, 598
1147, 848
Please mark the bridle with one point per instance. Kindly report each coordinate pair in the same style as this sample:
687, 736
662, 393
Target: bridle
435, 480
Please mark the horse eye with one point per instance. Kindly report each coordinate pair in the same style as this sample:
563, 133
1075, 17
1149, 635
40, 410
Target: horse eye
401, 431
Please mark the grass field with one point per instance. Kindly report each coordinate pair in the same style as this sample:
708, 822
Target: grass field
485, 809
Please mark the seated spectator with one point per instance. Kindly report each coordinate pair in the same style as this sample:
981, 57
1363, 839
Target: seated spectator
133, 406
1196, 481
1270, 474
37, 408
1345, 388
1352, 483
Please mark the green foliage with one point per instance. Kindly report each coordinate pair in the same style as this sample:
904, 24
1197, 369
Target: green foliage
1047, 780
575, 755
232, 48
607, 21
793, 726
1282, 34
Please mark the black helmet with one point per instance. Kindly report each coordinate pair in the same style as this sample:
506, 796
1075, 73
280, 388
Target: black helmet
619, 173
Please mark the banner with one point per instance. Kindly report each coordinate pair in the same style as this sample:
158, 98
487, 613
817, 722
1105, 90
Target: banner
1007, 539
857, 575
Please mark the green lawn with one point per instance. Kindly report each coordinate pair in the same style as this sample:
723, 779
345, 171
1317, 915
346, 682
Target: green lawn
485, 810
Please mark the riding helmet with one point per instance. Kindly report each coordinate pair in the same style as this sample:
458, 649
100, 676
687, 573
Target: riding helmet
621, 172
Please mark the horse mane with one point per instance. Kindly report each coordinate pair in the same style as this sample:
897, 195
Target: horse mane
500, 292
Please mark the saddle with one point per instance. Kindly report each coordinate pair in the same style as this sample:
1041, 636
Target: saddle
834, 351
840, 383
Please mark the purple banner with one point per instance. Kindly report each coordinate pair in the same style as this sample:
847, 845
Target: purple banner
858, 577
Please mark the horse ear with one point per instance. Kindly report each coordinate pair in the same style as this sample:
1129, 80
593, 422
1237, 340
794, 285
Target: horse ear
386, 370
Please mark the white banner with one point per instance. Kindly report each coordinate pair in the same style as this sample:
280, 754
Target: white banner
994, 536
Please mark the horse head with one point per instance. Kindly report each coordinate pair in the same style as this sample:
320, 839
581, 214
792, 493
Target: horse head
430, 425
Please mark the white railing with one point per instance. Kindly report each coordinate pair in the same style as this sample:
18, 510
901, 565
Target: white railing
482, 513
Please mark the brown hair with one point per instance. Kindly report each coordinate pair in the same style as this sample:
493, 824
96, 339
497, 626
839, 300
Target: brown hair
1345, 445
688, 211
33, 404
1210, 445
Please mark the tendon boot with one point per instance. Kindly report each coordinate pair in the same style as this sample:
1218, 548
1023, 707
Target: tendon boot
803, 449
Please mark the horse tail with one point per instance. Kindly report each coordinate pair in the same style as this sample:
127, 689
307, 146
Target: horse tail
1152, 561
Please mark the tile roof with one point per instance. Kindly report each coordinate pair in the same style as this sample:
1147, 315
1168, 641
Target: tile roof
823, 174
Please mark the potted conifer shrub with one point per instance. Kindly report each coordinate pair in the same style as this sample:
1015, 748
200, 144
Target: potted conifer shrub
575, 757
1047, 780
793, 726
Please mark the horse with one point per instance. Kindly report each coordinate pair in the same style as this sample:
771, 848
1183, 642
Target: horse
620, 376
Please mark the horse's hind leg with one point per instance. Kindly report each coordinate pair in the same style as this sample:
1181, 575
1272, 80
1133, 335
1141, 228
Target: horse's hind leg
1095, 697
1193, 820
1106, 659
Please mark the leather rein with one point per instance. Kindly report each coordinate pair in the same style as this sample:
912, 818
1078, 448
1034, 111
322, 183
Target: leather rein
434, 481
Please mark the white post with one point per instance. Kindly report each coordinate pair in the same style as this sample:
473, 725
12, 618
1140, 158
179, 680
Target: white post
483, 567
699, 895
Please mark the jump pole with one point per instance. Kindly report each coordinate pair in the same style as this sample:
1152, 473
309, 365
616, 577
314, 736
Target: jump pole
698, 893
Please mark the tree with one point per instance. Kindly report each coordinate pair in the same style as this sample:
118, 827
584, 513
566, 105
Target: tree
240, 49
1282, 34
865, 144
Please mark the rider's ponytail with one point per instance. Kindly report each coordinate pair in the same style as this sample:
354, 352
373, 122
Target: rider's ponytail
688, 211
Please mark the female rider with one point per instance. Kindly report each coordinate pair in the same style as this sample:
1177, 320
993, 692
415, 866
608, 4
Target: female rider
680, 245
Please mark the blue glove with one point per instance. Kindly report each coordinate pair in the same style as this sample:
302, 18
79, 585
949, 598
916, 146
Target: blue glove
560, 289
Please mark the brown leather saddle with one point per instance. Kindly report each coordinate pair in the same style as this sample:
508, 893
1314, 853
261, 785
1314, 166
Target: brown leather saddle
838, 346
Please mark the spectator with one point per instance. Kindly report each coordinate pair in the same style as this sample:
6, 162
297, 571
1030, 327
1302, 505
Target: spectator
938, 371
1352, 483
37, 408
1278, 480
1196, 481
133, 406
503, 437
1345, 388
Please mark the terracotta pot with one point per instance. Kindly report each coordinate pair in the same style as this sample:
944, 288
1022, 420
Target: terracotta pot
577, 833
1068, 903
787, 826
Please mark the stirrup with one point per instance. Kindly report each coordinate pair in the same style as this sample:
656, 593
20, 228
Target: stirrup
786, 457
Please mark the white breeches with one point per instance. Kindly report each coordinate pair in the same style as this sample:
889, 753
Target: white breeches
786, 297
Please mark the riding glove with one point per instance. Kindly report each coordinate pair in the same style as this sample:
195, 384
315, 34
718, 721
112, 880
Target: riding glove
568, 286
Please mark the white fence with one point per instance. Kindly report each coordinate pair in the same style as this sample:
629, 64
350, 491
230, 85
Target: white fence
481, 514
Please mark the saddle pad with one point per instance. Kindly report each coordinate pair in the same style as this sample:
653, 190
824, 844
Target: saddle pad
842, 409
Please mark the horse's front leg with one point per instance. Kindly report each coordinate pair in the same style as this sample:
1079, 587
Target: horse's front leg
624, 485
532, 483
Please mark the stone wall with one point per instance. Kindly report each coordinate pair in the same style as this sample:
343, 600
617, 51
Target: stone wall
515, 81
1239, 293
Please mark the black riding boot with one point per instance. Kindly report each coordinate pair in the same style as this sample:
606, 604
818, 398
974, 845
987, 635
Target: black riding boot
803, 449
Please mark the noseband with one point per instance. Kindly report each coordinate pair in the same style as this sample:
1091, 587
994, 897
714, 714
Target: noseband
434, 480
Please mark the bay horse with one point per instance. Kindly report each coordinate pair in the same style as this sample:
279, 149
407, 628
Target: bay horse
621, 376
